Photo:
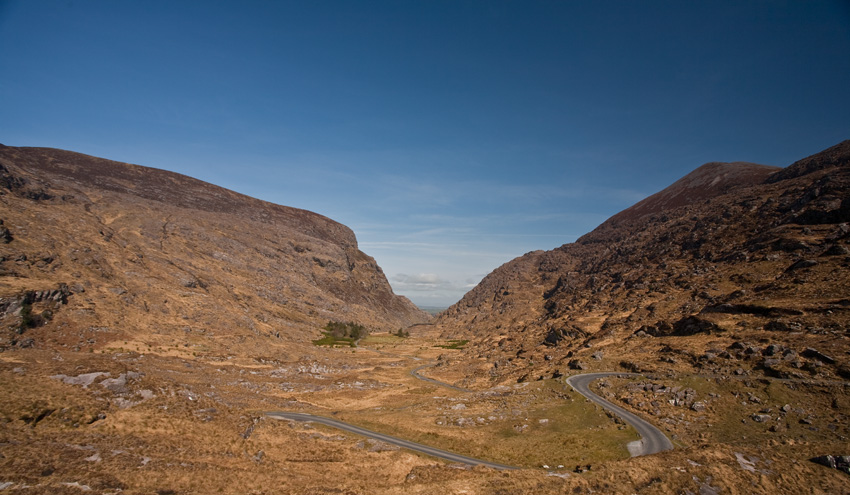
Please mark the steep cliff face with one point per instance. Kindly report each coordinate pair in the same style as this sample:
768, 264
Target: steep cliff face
140, 252
738, 250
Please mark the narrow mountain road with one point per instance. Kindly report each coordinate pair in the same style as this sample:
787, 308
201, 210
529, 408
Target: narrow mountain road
417, 447
415, 373
652, 439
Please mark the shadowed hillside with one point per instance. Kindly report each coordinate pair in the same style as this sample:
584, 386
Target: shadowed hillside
731, 252
133, 257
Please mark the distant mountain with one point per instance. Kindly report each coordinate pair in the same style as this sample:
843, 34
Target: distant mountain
433, 310
732, 251
100, 253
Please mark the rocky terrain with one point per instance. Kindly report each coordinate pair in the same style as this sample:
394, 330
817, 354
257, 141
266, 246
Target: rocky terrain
735, 266
149, 321
729, 291
98, 253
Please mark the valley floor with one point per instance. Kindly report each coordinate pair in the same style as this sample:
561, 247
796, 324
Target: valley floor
165, 422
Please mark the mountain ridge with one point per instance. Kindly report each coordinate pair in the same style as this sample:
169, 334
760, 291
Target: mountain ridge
776, 240
151, 252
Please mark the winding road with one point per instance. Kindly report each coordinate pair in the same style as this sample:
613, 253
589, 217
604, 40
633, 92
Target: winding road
415, 373
418, 447
652, 439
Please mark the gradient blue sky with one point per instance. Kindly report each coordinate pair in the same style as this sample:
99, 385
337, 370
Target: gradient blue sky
452, 136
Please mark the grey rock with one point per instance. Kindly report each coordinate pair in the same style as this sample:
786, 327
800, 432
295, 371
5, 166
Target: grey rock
772, 350
576, 364
812, 353
839, 462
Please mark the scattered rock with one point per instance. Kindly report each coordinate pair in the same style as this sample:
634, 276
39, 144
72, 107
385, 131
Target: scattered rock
556, 335
815, 354
836, 250
839, 462
783, 326
379, 446
772, 350
85, 379
575, 364
761, 418
805, 263
693, 325
5, 235
630, 366
745, 463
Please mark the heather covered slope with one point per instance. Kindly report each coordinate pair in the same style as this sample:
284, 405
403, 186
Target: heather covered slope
732, 252
129, 255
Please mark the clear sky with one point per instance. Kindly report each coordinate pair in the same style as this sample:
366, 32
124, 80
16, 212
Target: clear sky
450, 135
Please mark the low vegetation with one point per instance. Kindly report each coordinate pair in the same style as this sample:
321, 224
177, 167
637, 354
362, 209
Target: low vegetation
342, 334
402, 333
453, 344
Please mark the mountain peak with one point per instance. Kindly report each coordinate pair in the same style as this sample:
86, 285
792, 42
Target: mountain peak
707, 181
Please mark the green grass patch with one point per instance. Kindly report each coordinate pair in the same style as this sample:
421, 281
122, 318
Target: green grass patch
331, 341
338, 334
382, 339
453, 344
554, 428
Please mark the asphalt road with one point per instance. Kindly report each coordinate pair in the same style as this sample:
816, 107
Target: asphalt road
418, 447
652, 439
415, 373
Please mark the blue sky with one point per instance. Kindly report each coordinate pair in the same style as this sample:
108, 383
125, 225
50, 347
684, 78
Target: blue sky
451, 136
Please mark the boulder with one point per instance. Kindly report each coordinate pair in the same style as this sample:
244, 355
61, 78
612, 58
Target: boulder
576, 364
772, 350
783, 326
836, 250
761, 418
815, 354
839, 462
804, 263
693, 325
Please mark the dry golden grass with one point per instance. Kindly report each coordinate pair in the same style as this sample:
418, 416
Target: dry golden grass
201, 429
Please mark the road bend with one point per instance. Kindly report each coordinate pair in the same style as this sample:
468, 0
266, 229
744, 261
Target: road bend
416, 447
652, 439
415, 373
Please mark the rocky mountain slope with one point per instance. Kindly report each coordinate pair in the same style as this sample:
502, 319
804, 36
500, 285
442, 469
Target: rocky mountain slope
736, 268
96, 253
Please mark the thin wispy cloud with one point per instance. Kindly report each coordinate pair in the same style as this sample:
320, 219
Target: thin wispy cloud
450, 174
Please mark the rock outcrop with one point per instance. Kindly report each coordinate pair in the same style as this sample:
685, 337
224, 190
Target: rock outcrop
732, 250
155, 252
